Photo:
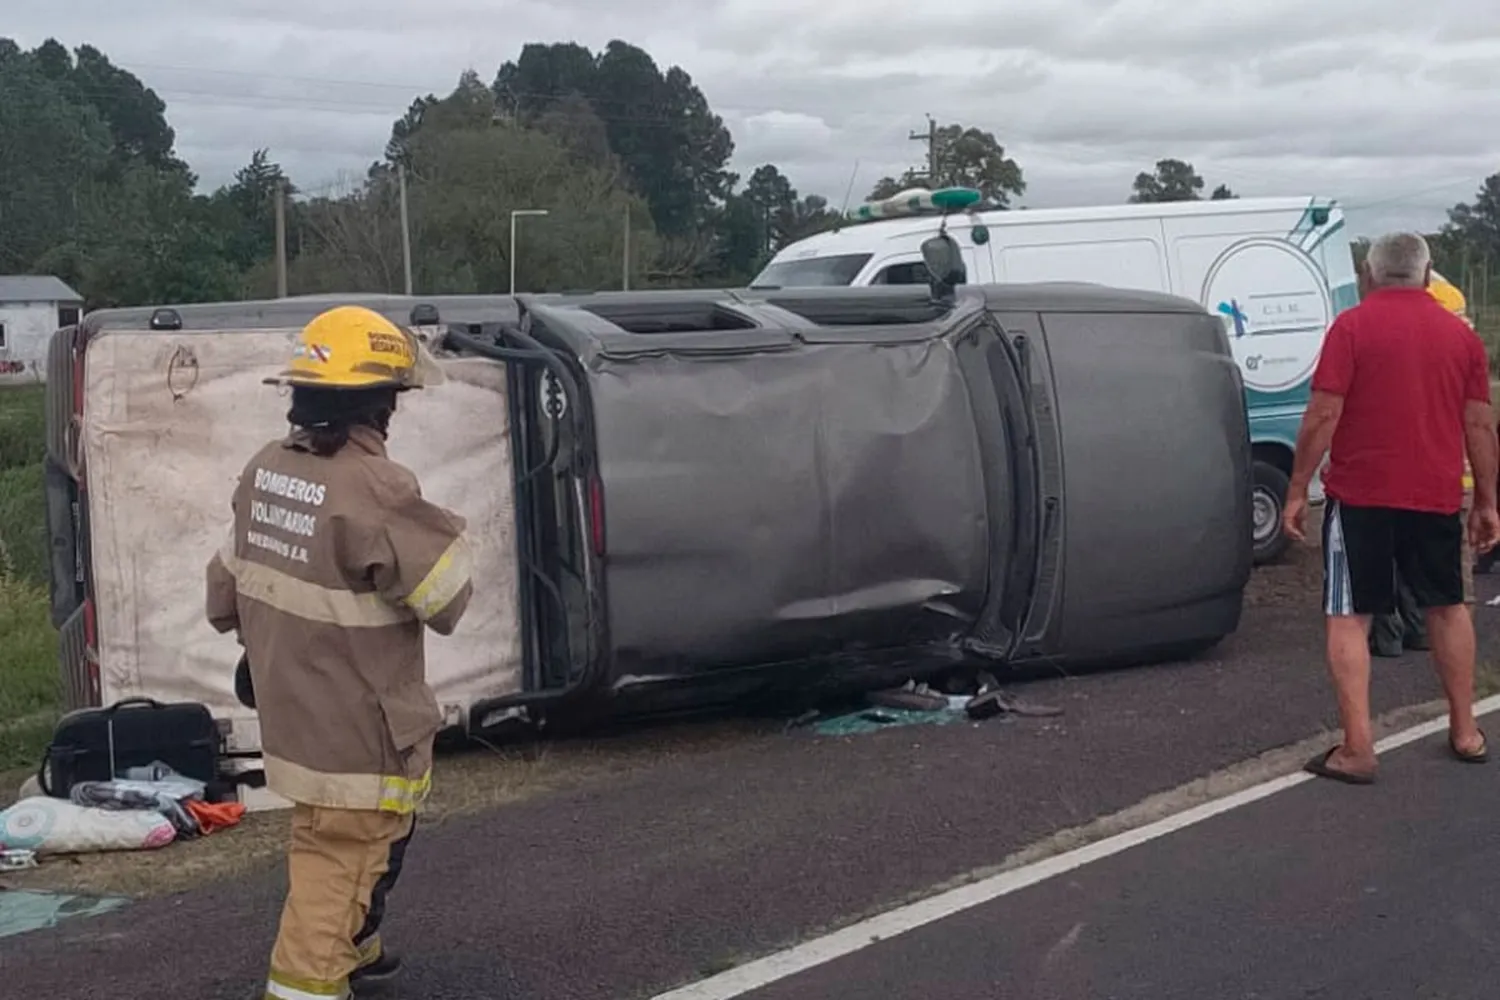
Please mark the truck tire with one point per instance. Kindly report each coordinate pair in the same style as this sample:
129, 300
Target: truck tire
1269, 486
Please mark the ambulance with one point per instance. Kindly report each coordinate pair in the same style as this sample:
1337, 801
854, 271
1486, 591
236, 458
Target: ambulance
1275, 270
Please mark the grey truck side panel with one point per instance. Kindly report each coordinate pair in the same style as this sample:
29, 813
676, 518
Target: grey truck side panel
1156, 478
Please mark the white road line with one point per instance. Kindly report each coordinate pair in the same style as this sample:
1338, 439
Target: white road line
762, 972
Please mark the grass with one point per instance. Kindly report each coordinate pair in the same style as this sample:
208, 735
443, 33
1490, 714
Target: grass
29, 694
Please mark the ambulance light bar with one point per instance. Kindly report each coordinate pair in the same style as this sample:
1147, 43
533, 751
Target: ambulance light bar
915, 201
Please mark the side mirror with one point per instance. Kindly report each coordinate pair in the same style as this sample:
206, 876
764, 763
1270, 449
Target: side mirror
945, 265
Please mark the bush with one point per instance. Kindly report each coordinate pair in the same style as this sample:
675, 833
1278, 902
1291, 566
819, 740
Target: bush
29, 687
23, 426
23, 517
29, 683
23, 524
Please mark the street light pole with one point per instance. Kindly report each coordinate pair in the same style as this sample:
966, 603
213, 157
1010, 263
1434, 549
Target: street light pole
514, 215
405, 226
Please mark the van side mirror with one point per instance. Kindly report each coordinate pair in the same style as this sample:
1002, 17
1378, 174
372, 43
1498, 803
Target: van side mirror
945, 265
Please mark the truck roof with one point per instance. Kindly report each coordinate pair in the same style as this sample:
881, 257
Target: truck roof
860, 237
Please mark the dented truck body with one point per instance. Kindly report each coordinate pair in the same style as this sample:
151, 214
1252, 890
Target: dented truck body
684, 496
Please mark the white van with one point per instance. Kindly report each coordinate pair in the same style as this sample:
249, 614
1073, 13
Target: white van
1276, 269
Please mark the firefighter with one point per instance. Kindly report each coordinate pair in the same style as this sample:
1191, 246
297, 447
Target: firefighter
335, 566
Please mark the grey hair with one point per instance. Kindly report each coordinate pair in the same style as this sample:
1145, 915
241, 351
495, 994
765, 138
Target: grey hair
1399, 259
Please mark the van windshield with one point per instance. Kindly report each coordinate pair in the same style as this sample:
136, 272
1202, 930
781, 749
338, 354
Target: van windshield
812, 272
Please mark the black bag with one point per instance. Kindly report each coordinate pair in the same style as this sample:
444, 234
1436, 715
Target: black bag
99, 744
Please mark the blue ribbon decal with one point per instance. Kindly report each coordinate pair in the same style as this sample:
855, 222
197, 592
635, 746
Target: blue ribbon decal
1233, 311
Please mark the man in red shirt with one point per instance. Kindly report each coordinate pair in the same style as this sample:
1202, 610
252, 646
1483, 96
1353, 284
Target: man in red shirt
1400, 394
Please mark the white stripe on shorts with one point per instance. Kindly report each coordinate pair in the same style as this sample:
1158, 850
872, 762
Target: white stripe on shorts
1338, 590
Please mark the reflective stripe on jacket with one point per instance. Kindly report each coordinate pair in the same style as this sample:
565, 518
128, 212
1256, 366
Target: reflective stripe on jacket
334, 567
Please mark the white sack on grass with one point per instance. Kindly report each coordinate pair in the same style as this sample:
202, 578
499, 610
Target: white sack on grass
56, 826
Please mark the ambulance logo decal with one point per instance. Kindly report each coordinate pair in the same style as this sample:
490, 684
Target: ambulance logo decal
1274, 300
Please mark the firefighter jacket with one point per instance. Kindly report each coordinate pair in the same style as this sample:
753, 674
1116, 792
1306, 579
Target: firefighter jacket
335, 566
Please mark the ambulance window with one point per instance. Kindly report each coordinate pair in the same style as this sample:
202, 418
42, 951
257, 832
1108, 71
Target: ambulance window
910, 273
812, 272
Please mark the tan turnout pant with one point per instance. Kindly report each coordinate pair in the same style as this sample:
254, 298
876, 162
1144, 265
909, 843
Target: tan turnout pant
339, 861
1468, 550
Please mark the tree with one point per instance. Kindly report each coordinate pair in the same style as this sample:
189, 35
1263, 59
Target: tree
573, 122
812, 215
92, 190
673, 148
1173, 180
405, 127
774, 201
742, 244
150, 240
1476, 226
782, 215
352, 241
963, 157
245, 210
135, 114
52, 151
466, 183
467, 171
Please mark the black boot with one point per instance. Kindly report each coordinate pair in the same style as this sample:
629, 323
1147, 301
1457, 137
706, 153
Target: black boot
370, 978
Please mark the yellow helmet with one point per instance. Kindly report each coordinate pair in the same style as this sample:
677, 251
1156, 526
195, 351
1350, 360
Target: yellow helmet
351, 347
1448, 295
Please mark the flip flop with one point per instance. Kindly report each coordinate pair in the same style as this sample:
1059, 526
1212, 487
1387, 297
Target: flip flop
1320, 767
1477, 757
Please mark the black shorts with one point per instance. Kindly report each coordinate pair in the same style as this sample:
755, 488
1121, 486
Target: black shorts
1365, 547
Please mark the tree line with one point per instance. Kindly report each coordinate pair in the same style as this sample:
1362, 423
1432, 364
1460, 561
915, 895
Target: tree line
627, 158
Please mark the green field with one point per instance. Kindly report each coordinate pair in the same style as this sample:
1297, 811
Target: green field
29, 694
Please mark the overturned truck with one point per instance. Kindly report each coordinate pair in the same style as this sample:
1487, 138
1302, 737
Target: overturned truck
677, 497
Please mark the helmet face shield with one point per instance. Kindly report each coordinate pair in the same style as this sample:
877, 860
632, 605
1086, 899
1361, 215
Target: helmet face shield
425, 370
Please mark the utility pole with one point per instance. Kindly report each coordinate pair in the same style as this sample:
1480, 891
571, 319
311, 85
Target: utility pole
625, 254
281, 238
405, 226
929, 137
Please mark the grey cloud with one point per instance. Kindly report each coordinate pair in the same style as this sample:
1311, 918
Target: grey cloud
1354, 98
1476, 74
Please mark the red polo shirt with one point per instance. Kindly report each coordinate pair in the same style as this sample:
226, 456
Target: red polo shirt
1405, 367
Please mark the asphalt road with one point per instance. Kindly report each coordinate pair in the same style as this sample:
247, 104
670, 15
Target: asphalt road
1319, 891
621, 890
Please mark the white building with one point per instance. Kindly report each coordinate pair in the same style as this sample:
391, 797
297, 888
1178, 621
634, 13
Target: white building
32, 308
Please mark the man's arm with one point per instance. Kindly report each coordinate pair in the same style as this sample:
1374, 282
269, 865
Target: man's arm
1314, 438
1484, 451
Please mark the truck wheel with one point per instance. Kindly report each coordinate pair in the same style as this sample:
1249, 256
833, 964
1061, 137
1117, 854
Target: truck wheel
1269, 493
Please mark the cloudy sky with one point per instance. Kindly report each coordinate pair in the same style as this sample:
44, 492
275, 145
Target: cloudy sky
1386, 104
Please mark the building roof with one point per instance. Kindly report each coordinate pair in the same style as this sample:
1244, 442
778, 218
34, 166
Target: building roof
35, 288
